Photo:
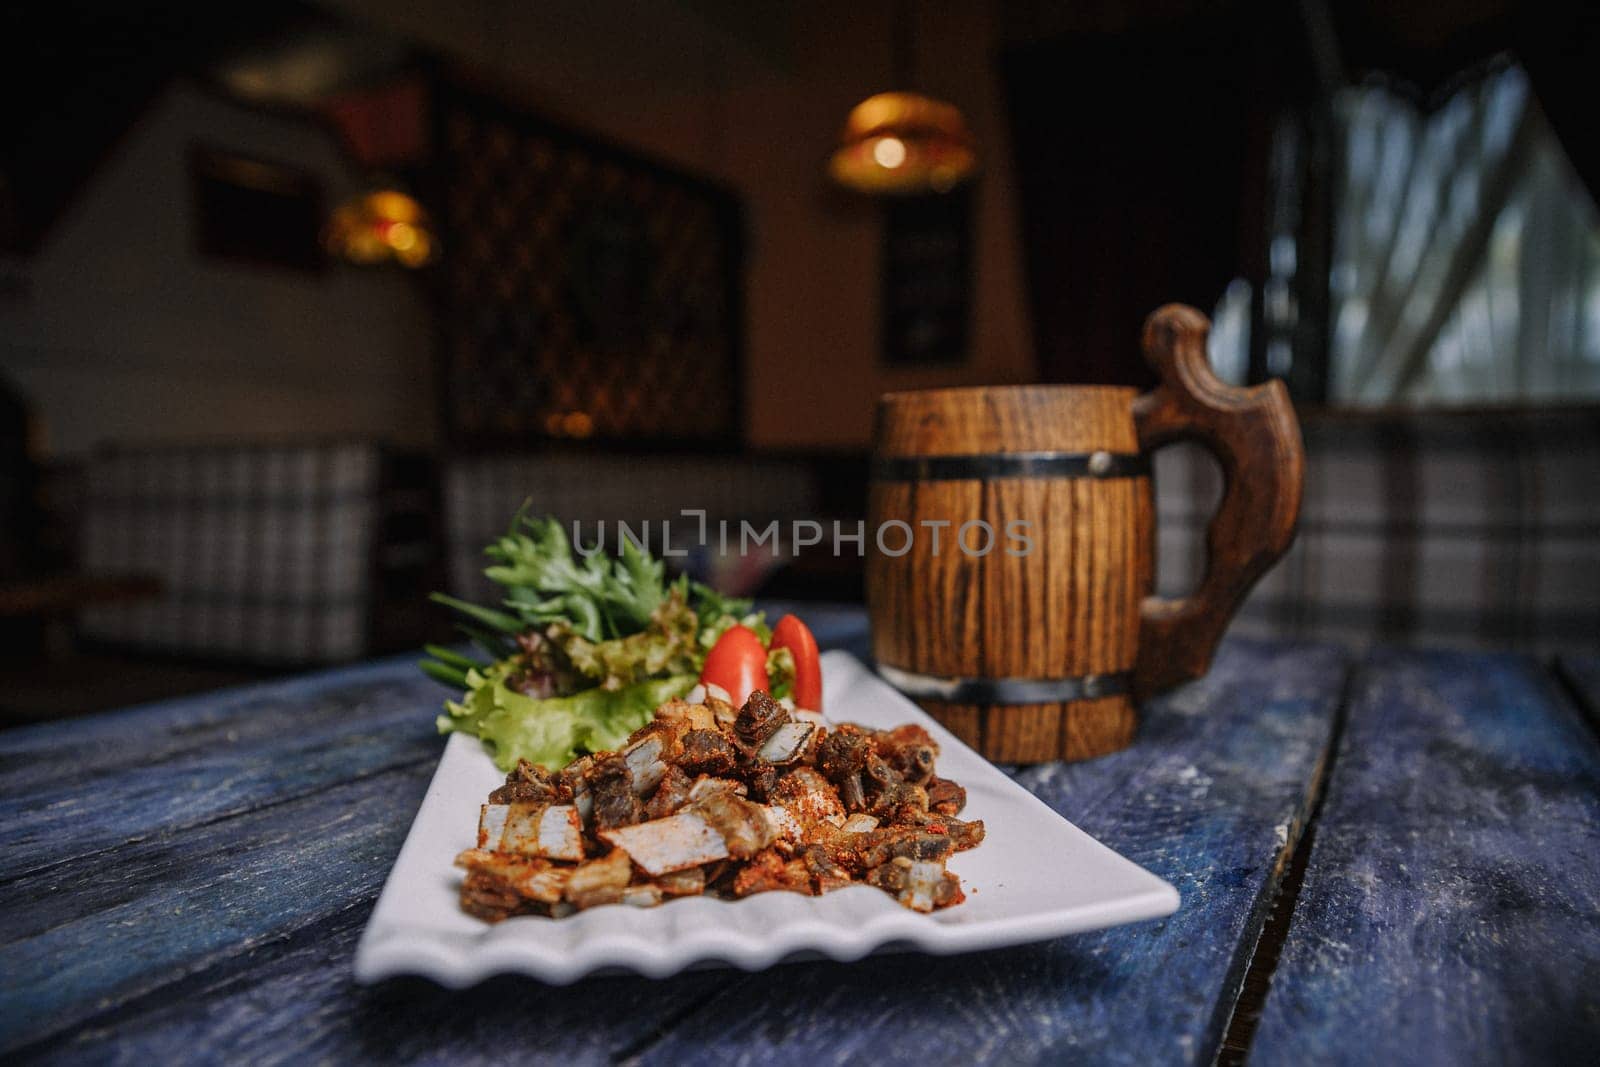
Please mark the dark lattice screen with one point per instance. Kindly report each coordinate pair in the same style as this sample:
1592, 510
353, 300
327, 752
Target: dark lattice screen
586, 292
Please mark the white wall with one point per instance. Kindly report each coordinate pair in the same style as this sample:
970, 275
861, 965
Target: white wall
120, 332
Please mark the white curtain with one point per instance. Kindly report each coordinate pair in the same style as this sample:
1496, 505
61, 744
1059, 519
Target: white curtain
1466, 254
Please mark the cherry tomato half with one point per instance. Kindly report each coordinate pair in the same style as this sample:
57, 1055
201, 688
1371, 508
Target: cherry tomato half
737, 663
796, 636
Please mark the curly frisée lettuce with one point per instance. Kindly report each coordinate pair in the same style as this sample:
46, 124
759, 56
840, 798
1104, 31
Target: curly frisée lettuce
581, 648
555, 730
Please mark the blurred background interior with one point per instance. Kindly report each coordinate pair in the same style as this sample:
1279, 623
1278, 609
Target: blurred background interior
298, 302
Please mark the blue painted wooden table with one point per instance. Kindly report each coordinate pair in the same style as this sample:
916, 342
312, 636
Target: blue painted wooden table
1394, 856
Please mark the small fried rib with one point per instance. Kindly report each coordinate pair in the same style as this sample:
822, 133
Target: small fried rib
809, 796
744, 827
600, 881
671, 794
611, 785
660, 846
552, 830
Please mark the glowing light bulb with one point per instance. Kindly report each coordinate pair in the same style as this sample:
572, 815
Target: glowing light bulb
402, 237
890, 152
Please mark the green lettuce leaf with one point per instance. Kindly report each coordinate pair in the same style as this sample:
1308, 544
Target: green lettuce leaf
666, 646
555, 731
711, 605
711, 632
780, 672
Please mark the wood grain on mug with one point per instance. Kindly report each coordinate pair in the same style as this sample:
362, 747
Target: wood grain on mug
1068, 606
1075, 604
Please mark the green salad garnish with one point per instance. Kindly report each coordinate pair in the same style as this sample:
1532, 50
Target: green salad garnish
581, 649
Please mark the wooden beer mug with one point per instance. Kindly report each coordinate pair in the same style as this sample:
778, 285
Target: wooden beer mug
1013, 545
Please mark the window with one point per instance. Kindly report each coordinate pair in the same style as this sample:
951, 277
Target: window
1466, 256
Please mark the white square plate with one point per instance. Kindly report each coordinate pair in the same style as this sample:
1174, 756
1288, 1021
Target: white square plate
1035, 877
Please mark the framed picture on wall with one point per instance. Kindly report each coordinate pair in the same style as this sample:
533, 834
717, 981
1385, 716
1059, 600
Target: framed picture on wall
254, 210
927, 280
588, 293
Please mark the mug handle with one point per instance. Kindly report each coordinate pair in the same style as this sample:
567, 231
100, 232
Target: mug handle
1255, 436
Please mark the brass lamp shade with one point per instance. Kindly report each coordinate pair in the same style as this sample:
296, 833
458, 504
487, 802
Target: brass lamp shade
901, 144
382, 226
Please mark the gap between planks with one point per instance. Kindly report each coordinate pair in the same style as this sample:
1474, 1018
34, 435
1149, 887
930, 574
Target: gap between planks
631, 1053
1584, 699
1282, 890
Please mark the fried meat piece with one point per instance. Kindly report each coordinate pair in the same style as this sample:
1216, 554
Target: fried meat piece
651, 748
531, 784
685, 883
789, 743
498, 886
661, 846
574, 778
600, 881
610, 782
483, 896
872, 848
705, 785
744, 826
808, 796
535, 879
907, 844
843, 752
964, 834
760, 716
825, 874
722, 712
919, 885
706, 752
910, 750
695, 716
768, 871
551, 830
671, 794
851, 793
760, 777
899, 804
945, 797
878, 775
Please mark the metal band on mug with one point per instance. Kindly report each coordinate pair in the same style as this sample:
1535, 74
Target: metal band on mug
1006, 690
1010, 465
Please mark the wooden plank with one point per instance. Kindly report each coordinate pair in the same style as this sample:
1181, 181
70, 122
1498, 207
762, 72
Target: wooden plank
239, 753
1582, 675
152, 730
295, 1001
1449, 911
183, 919
90, 933
1211, 797
1207, 798
236, 938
